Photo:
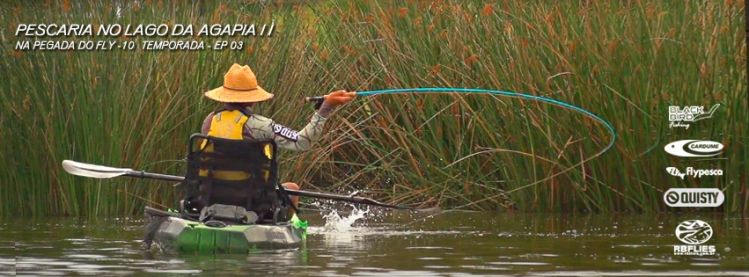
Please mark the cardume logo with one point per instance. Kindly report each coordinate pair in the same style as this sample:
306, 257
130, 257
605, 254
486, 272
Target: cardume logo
695, 173
694, 233
683, 117
693, 197
694, 148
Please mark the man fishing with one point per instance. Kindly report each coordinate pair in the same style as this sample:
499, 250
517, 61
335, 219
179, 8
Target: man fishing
236, 120
233, 202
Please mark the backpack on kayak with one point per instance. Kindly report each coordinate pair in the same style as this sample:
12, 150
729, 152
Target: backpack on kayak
230, 180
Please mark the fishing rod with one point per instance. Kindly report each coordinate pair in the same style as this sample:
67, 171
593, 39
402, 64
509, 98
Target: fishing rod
106, 172
610, 128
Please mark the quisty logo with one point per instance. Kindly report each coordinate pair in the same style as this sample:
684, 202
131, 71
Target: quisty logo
693, 172
694, 148
693, 197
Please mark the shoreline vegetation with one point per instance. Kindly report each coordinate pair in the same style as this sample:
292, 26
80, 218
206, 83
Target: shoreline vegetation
624, 61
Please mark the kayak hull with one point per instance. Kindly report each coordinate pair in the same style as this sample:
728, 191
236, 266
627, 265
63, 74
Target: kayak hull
175, 234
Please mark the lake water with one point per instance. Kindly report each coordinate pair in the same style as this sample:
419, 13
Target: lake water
396, 244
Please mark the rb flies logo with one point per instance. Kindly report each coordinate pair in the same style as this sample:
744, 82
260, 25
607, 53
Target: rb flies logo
694, 233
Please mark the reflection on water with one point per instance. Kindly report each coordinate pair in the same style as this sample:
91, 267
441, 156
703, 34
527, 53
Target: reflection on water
372, 242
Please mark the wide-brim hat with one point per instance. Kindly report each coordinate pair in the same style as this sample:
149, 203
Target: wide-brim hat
240, 86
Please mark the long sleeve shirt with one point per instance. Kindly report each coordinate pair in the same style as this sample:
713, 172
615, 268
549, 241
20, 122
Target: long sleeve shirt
260, 128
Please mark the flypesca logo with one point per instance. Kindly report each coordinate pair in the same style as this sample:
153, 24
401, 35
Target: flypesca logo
693, 197
682, 117
695, 173
694, 148
694, 233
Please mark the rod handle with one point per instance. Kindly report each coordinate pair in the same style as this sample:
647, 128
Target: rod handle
314, 98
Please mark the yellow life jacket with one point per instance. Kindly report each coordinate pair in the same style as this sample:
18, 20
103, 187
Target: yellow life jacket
227, 124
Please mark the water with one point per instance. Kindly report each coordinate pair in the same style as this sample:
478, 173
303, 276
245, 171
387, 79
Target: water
371, 243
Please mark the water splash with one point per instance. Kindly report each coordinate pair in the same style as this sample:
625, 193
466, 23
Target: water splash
336, 223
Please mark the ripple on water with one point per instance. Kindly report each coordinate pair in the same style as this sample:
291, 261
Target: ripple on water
86, 256
419, 273
336, 265
519, 263
638, 273
429, 247
42, 262
485, 267
634, 245
112, 249
44, 273
173, 271
437, 266
663, 260
362, 268
705, 264
705, 259
538, 255
85, 267
77, 239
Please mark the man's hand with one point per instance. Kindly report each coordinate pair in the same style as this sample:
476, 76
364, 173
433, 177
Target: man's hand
338, 98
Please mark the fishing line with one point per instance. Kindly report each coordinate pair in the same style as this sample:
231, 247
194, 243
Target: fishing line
555, 102
558, 103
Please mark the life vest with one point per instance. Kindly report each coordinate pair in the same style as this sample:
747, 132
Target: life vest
229, 124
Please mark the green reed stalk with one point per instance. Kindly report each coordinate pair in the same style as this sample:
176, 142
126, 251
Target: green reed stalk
624, 61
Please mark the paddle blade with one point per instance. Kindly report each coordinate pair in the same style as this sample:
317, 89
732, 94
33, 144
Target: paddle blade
92, 170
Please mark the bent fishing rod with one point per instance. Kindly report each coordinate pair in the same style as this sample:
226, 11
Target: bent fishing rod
318, 100
106, 172
610, 128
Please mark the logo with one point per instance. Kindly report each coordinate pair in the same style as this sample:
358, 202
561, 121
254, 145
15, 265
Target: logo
694, 148
693, 197
675, 172
692, 172
682, 117
694, 233
285, 132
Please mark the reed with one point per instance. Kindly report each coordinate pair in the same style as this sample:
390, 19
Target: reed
623, 61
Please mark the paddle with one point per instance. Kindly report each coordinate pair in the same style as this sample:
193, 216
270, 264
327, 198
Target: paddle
106, 172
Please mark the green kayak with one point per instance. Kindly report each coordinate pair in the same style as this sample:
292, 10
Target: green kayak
173, 234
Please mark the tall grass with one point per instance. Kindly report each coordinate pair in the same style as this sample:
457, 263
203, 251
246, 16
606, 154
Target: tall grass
623, 61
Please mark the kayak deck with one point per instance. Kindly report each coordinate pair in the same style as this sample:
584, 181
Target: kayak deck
174, 234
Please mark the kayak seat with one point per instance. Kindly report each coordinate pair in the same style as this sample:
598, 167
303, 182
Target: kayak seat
233, 180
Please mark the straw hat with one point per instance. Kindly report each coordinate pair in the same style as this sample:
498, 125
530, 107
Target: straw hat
240, 86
